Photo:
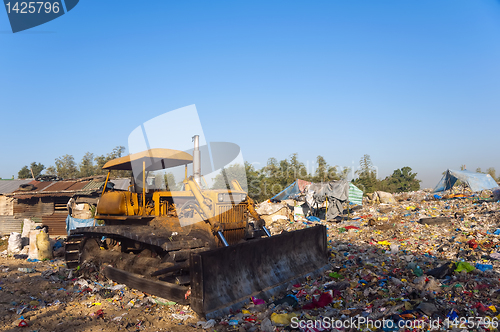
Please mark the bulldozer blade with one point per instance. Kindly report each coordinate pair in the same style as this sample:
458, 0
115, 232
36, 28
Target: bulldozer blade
224, 279
159, 288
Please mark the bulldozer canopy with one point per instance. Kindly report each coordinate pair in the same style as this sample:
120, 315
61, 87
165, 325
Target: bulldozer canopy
155, 159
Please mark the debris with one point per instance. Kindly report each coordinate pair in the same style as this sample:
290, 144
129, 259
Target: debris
282, 319
206, 325
43, 246
464, 266
181, 317
434, 221
393, 268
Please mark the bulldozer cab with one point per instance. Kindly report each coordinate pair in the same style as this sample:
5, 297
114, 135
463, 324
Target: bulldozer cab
150, 196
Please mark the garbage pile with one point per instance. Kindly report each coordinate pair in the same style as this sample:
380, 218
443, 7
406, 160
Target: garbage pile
33, 243
422, 262
46, 296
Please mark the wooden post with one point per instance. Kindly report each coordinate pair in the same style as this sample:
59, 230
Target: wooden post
143, 188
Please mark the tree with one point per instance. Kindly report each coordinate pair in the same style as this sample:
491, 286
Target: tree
478, 170
170, 183
403, 180
51, 170
66, 167
25, 172
367, 179
254, 182
491, 171
344, 173
37, 168
103, 159
86, 166
227, 174
279, 175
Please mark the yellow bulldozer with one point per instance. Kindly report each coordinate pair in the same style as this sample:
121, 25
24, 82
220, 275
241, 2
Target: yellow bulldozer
204, 247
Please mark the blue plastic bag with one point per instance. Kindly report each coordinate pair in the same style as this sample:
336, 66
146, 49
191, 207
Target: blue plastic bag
484, 267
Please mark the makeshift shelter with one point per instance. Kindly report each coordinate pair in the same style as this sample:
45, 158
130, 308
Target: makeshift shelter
300, 186
337, 192
295, 188
355, 194
475, 181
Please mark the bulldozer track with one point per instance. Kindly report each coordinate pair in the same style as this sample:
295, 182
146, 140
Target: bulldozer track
171, 265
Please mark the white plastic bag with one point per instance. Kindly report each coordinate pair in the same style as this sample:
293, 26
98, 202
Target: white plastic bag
28, 226
15, 243
386, 198
206, 325
33, 249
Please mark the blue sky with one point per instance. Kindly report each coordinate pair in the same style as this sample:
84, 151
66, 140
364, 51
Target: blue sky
411, 83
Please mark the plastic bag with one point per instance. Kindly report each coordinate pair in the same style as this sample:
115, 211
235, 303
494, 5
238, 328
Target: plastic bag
43, 245
282, 319
386, 198
266, 325
484, 267
206, 325
33, 249
15, 243
464, 266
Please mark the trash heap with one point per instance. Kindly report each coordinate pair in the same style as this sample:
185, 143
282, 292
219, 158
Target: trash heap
423, 262
46, 296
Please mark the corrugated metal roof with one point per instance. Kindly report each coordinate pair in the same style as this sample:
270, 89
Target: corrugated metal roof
39, 185
66, 188
70, 193
78, 185
93, 185
61, 185
9, 186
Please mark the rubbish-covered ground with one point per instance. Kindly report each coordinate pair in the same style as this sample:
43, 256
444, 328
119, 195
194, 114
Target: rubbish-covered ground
422, 263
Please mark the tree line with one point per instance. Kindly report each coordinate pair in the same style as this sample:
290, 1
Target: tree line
264, 183
65, 167
261, 184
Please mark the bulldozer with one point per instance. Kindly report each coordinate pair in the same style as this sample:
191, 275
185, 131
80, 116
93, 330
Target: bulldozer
205, 247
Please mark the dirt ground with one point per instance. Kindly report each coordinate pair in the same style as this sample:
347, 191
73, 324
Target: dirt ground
386, 262
54, 303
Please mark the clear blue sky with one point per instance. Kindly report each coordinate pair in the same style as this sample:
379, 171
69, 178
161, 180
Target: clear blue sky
411, 83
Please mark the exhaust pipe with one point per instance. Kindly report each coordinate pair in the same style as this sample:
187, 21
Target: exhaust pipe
197, 160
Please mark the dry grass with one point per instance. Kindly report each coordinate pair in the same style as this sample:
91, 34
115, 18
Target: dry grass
3, 244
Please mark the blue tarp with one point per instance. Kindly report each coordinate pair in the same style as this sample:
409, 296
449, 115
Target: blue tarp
72, 223
475, 181
291, 190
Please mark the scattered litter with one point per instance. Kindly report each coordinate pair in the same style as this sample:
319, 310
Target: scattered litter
206, 325
181, 317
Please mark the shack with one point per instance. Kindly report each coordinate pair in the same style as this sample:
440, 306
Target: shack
46, 201
8, 222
